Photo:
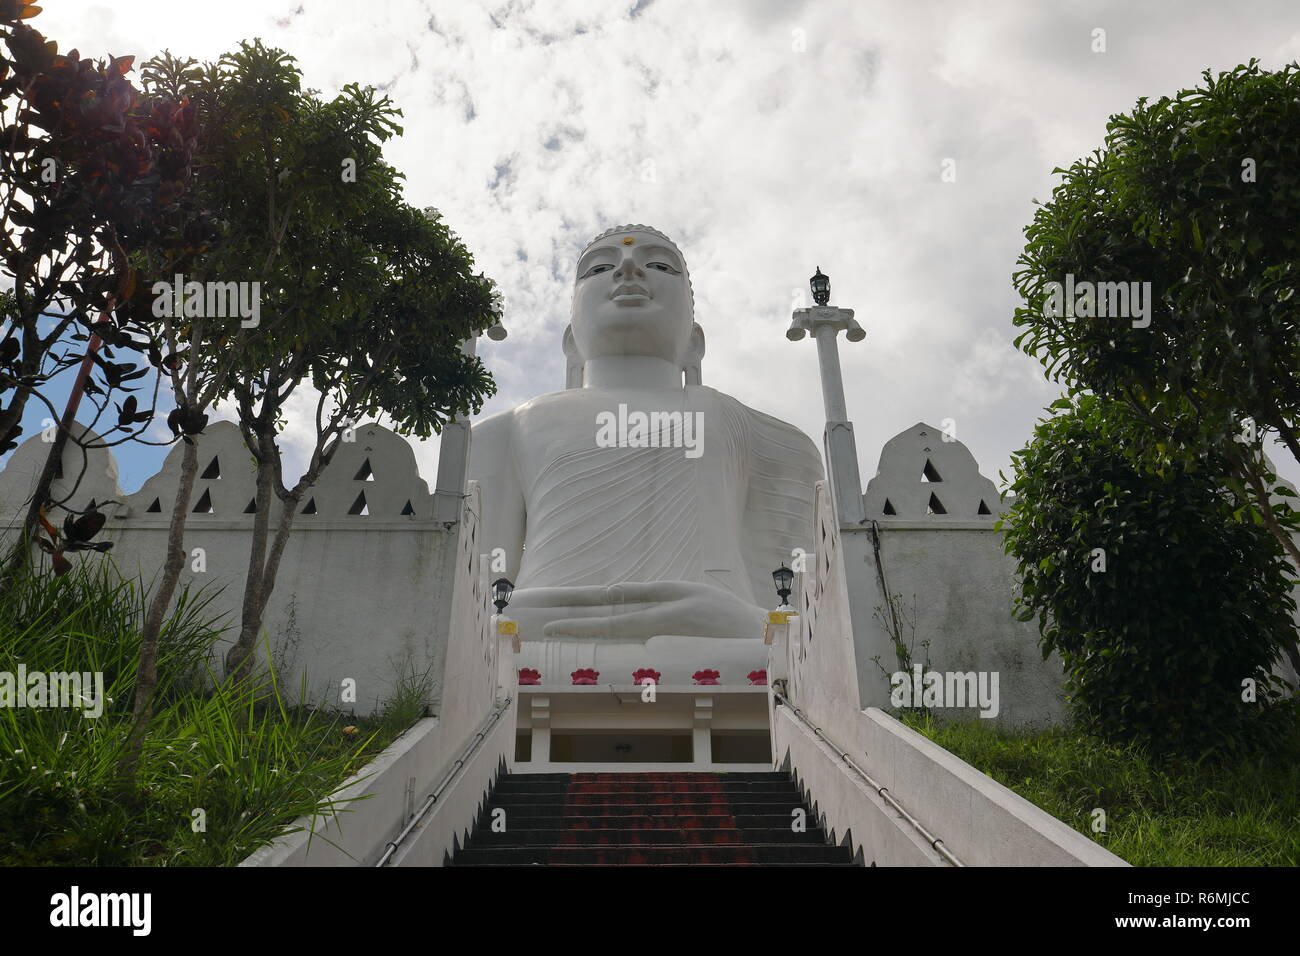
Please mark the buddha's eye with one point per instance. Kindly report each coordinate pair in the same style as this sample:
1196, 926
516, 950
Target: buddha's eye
663, 267
597, 268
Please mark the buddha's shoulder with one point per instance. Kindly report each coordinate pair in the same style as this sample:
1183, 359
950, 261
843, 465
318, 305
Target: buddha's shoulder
552, 405
571, 405
760, 423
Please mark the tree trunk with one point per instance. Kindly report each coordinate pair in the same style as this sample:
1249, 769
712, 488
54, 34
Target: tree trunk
41, 494
11, 416
1275, 528
146, 679
242, 665
239, 659
21, 552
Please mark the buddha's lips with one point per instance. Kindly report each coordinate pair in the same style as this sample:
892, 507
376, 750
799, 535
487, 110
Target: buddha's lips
629, 288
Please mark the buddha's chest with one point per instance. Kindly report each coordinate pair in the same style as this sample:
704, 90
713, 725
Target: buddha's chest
589, 442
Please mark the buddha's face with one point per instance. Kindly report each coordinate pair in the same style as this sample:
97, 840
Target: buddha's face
631, 297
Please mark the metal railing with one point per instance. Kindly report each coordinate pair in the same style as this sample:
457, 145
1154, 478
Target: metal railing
884, 793
457, 767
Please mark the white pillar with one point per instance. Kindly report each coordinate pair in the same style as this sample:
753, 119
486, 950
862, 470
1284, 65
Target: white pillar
702, 731
828, 355
507, 632
841, 449
776, 635
453, 462
541, 720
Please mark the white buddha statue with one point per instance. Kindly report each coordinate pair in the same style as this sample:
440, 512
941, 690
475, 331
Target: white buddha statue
641, 513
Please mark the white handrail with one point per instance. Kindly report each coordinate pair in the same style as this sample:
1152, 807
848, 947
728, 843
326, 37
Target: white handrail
459, 765
885, 795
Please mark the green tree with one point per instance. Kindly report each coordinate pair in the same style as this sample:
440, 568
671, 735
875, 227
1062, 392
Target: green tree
88, 168
1159, 598
361, 296
1199, 195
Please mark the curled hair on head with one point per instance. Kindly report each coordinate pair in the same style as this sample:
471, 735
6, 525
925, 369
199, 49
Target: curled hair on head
641, 227
631, 227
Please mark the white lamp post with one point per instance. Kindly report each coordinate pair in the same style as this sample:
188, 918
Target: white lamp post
825, 322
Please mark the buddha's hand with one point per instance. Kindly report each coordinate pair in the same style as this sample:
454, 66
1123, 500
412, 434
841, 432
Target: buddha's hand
635, 611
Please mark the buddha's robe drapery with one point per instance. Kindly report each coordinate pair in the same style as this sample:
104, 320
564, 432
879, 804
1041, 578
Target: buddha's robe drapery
598, 516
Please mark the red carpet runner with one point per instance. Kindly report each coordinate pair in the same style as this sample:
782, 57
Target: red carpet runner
648, 819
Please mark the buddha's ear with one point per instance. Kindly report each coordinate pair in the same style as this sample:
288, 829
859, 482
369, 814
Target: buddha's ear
573, 372
694, 354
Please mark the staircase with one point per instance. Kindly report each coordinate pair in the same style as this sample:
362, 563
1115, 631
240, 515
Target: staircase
647, 819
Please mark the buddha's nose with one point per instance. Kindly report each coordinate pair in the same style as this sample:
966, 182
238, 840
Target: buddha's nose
628, 269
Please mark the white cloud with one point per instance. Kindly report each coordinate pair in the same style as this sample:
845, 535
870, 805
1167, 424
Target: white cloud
531, 125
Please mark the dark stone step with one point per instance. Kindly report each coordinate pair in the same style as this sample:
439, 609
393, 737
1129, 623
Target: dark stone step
629, 808
652, 775
633, 836
761, 854
663, 818
668, 865
643, 821
653, 786
671, 797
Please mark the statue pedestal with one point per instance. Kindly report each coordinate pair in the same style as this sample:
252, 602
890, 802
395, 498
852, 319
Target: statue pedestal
675, 657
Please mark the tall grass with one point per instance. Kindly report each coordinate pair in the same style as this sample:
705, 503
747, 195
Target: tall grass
1241, 810
225, 768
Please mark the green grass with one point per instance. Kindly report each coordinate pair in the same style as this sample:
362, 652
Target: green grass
248, 760
1239, 811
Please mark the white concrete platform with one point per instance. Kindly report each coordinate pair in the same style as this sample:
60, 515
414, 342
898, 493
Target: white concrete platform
578, 728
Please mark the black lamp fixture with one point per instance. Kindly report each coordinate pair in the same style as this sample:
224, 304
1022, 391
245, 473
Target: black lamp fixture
821, 287
783, 577
501, 591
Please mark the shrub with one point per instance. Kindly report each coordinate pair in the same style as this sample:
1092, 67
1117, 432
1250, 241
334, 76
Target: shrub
233, 750
1162, 602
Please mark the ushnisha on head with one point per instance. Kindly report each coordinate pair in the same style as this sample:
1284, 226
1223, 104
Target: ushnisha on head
632, 296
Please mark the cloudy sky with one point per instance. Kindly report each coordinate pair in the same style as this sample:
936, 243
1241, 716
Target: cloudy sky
767, 137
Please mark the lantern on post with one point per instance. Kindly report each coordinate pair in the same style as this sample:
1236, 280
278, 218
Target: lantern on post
502, 588
820, 284
783, 577
508, 677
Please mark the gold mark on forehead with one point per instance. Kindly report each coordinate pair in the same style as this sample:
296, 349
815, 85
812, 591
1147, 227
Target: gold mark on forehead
628, 240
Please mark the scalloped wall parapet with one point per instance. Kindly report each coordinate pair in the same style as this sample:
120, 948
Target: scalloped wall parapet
923, 474
99, 480
371, 585
373, 476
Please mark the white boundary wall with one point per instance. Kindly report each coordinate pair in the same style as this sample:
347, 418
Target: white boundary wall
361, 596
933, 517
392, 789
977, 819
478, 675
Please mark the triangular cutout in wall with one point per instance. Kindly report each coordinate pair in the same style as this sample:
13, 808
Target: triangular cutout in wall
365, 472
252, 507
928, 473
310, 507
213, 471
984, 509
889, 507
204, 507
155, 508
359, 507
936, 506
408, 510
